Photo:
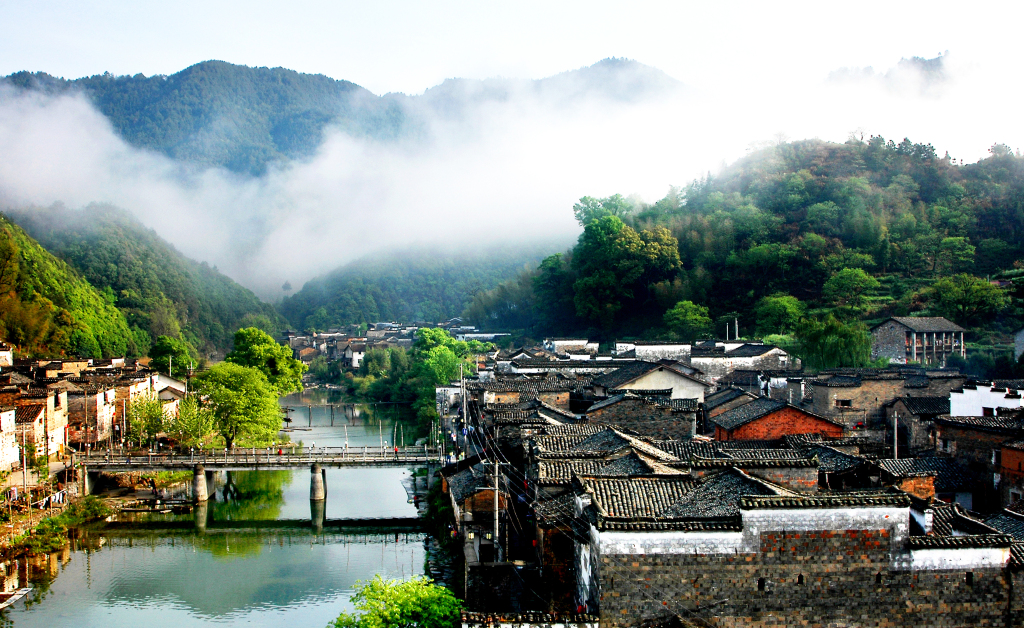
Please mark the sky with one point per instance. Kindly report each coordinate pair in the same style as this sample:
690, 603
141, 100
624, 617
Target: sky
755, 72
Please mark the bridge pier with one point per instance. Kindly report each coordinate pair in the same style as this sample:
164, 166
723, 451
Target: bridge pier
317, 483
317, 513
201, 513
200, 493
89, 481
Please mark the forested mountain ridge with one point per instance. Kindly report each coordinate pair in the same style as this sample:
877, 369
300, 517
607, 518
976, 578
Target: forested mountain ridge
245, 119
159, 290
46, 307
412, 285
859, 230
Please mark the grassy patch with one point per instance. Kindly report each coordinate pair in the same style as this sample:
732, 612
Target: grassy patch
51, 533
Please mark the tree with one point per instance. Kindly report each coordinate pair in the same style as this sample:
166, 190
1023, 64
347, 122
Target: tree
243, 403
688, 320
414, 603
194, 424
955, 255
255, 348
830, 343
778, 314
146, 419
590, 209
966, 299
847, 287
173, 356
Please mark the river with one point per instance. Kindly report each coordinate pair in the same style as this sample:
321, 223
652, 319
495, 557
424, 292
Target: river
274, 572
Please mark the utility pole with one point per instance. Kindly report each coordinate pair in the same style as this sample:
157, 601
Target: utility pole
895, 435
497, 545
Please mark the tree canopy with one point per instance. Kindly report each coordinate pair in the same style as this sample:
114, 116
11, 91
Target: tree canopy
257, 349
413, 603
243, 403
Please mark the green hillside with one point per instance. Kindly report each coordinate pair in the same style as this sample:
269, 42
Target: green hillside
414, 285
159, 290
859, 230
46, 307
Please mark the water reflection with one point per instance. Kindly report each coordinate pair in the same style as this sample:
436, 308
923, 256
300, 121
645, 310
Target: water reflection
259, 553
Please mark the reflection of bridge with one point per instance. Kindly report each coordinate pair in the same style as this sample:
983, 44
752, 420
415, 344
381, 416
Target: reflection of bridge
207, 461
387, 525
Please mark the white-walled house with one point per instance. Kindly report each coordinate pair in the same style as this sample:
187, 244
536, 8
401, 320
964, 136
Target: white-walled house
8, 438
981, 399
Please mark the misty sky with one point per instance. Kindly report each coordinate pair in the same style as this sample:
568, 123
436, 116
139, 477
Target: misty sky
756, 71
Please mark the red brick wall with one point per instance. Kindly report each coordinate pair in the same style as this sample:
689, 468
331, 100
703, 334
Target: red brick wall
778, 424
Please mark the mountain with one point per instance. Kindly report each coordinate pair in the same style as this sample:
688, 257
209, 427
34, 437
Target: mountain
411, 285
246, 119
47, 307
159, 290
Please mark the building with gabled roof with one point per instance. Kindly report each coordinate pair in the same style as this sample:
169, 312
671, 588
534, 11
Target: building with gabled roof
923, 339
767, 419
653, 376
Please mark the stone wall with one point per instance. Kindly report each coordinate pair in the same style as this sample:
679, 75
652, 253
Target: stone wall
889, 340
868, 401
974, 449
791, 568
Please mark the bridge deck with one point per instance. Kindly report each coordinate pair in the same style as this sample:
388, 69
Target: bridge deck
252, 459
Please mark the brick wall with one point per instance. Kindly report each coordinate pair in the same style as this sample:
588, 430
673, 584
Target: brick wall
778, 424
647, 418
801, 478
868, 401
816, 578
558, 399
922, 486
973, 449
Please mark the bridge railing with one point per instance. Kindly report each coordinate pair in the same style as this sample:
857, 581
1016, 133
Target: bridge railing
262, 455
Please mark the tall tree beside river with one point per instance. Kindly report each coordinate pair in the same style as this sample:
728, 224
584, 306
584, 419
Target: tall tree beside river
243, 402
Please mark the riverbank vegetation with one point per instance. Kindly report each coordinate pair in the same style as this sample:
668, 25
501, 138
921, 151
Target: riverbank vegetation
397, 376
416, 602
51, 534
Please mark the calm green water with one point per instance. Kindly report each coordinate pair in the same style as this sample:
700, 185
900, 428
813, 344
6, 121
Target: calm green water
160, 571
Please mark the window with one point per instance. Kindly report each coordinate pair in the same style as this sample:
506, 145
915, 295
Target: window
988, 412
800, 579
760, 584
969, 579
843, 403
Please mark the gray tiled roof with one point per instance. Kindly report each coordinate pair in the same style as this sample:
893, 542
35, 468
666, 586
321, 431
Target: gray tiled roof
1008, 522
631, 372
684, 449
647, 497
749, 351
926, 405
741, 415
716, 399
1004, 424
926, 323
832, 460
950, 519
949, 474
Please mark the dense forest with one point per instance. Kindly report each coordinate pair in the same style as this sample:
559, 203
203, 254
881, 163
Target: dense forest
795, 232
46, 307
247, 119
160, 291
410, 285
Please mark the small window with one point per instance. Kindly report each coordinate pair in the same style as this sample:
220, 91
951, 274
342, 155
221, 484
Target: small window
988, 412
878, 578
844, 403
969, 578
760, 584
800, 579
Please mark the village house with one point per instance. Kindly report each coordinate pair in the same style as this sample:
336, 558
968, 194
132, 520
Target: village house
985, 398
732, 547
559, 346
914, 419
9, 452
55, 418
767, 419
1018, 344
977, 442
92, 412
6, 355
655, 416
927, 477
924, 339
30, 424
652, 376
857, 398
717, 362
1011, 472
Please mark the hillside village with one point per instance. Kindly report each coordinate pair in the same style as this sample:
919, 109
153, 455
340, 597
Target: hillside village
720, 479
